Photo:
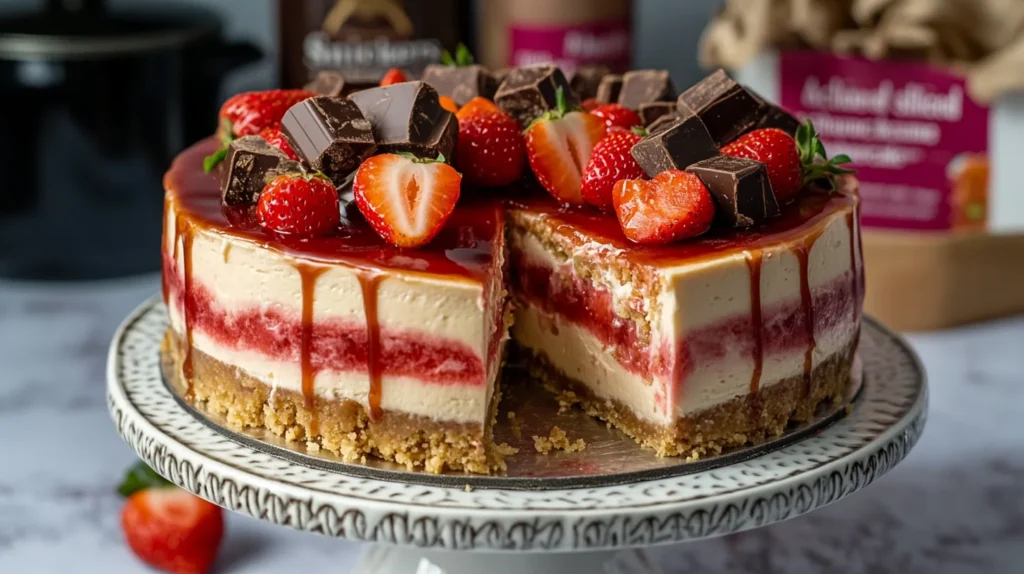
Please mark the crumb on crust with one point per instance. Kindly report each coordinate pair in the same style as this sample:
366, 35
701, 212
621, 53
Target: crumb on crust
557, 440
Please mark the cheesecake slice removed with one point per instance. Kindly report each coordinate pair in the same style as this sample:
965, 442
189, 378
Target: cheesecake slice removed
344, 342
692, 347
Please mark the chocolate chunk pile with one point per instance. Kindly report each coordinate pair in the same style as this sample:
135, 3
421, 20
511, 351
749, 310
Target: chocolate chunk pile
528, 92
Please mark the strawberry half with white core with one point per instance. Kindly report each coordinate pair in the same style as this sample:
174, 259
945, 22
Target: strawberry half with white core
558, 147
406, 199
791, 163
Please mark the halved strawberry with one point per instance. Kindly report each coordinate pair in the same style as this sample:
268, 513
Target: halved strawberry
617, 115
490, 150
791, 163
558, 146
406, 199
393, 76
299, 204
274, 137
674, 205
609, 162
167, 527
477, 105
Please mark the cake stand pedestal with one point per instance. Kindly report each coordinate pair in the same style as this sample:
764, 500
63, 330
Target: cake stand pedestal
431, 528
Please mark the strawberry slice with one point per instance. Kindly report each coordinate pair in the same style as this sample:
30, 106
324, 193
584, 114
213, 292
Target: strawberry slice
406, 199
558, 147
167, 527
393, 76
478, 105
609, 162
674, 205
791, 163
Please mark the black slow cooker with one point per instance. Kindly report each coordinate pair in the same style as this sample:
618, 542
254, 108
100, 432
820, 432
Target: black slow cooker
94, 105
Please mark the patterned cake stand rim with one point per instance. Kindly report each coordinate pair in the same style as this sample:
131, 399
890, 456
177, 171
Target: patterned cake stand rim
876, 435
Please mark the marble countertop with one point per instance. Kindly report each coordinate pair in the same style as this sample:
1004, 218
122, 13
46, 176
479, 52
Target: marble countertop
955, 505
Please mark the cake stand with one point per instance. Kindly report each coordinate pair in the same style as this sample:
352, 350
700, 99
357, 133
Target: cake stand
453, 527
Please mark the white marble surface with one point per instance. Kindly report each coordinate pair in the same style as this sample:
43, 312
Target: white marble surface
955, 505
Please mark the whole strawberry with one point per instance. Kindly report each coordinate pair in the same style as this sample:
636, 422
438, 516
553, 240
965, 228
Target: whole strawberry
791, 163
247, 114
609, 162
406, 199
589, 104
617, 116
274, 137
672, 206
490, 150
167, 527
558, 147
478, 105
299, 204
393, 76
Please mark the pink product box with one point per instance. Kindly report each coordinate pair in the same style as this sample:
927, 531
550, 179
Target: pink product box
929, 158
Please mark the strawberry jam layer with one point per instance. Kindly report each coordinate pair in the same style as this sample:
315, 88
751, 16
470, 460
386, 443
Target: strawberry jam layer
335, 345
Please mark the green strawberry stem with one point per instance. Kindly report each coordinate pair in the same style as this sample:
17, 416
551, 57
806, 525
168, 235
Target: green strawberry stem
561, 108
141, 477
463, 57
417, 159
814, 160
640, 131
226, 135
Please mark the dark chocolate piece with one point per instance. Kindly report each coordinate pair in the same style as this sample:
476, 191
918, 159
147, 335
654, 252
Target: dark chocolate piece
251, 164
329, 134
658, 125
529, 91
586, 79
500, 74
726, 108
327, 83
609, 89
651, 112
646, 86
740, 189
776, 117
676, 146
408, 117
461, 83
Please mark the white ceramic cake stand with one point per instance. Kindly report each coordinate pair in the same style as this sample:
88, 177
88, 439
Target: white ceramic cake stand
449, 529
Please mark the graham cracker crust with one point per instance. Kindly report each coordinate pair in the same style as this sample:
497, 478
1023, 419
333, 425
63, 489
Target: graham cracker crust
342, 427
745, 419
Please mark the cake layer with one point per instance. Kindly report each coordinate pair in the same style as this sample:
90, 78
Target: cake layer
670, 331
344, 317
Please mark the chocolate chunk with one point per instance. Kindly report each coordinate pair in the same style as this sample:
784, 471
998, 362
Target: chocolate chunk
726, 108
740, 189
251, 164
674, 147
660, 124
651, 112
776, 117
408, 117
329, 134
646, 86
500, 74
586, 79
461, 83
327, 83
609, 89
530, 91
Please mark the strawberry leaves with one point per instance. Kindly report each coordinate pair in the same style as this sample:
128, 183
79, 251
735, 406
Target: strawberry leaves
226, 135
140, 477
463, 57
814, 160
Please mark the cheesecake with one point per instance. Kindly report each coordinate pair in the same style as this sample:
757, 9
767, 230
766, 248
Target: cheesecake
330, 277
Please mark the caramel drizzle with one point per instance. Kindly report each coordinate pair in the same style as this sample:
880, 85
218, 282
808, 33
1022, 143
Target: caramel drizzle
368, 283
308, 275
183, 230
754, 264
802, 253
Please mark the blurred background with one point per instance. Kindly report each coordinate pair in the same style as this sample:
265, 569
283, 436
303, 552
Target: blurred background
97, 97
